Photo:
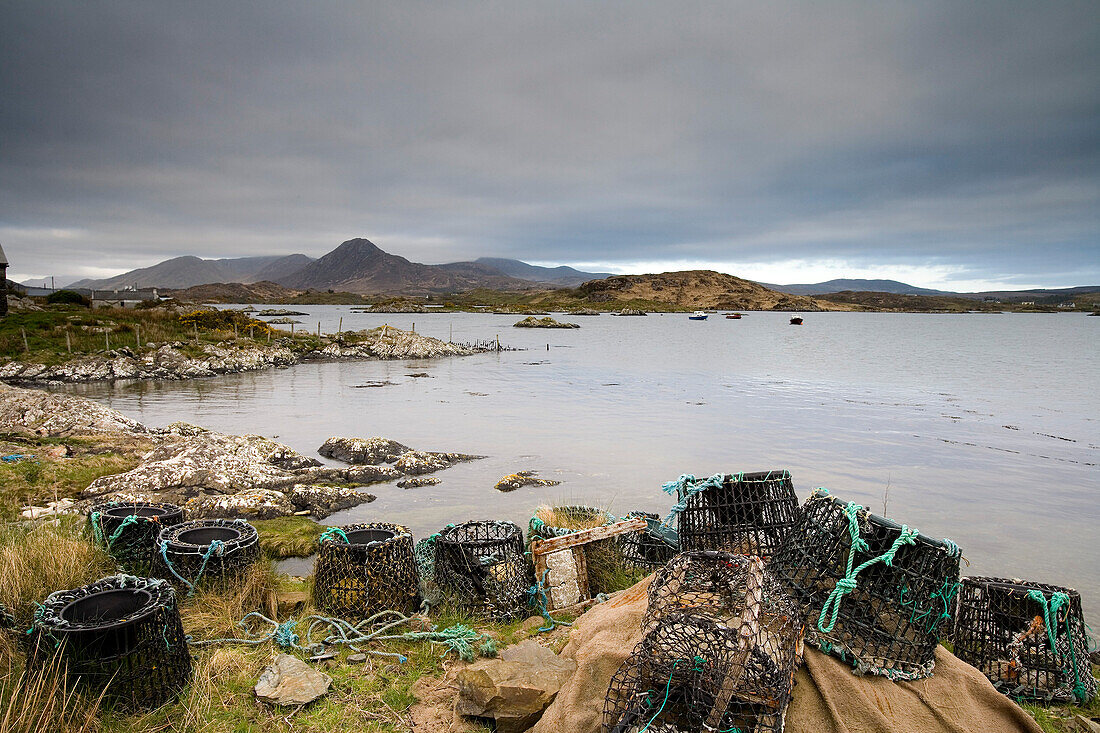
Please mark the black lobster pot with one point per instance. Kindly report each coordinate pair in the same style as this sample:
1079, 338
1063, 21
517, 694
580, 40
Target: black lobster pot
212, 552
129, 530
363, 569
888, 619
121, 635
1028, 638
650, 549
720, 650
482, 564
749, 513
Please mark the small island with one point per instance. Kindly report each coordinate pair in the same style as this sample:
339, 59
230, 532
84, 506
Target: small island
548, 322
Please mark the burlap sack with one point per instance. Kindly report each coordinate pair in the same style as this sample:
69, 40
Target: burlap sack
828, 698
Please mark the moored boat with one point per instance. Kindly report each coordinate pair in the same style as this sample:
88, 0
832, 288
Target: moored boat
698, 316
733, 316
796, 320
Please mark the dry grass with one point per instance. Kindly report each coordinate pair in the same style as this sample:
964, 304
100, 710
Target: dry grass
38, 560
43, 699
214, 613
569, 517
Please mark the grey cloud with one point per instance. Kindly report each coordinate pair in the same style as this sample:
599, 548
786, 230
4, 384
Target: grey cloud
618, 132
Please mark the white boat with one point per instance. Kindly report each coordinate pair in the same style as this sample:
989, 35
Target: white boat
698, 316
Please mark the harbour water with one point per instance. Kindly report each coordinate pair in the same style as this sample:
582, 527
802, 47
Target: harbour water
981, 428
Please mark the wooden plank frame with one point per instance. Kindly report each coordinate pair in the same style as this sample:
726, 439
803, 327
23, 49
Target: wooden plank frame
576, 541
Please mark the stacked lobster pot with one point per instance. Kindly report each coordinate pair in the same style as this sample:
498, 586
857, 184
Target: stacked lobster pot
652, 548
745, 513
481, 565
364, 569
1028, 638
129, 531
876, 594
121, 637
721, 645
210, 552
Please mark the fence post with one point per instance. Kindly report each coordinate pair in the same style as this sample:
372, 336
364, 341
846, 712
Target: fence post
26, 347
68, 343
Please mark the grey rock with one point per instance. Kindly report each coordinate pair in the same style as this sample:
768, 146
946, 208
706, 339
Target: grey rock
414, 482
291, 682
248, 504
45, 413
415, 463
363, 451
515, 688
357, 658
321, 501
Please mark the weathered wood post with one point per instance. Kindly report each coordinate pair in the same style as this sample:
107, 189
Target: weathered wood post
749, 631
318, 329
26, 347
340, 328
68, 342
451, 334
498, 342
137, 335
107, 339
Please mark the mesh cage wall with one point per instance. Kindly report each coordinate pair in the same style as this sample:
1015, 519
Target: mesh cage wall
482, 564
1028, 638
129, 531
121, 635
644, 550
366, 568
749, 514
210, 552
888, 619
722, 643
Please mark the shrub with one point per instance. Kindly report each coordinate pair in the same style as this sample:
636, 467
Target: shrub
68, 297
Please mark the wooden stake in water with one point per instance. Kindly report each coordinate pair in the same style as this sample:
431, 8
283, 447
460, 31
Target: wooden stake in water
340, 328
414, 328
498, 342
26, 347
451, 334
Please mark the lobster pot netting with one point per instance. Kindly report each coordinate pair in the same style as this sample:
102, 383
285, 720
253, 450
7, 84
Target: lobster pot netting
875, 594
213, 552
746, 513
603, 558
121, 635
482, 565
647, 550
363, 569
720, 651
129, 531
1028, 638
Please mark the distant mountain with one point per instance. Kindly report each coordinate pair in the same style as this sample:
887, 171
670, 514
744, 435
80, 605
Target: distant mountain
188, 271
358, 266
855, 285
561, 276
697, 289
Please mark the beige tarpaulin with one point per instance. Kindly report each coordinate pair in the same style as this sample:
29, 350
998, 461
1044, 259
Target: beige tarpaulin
828, 698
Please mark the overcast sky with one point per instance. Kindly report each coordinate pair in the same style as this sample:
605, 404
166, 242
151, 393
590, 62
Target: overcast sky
952, 145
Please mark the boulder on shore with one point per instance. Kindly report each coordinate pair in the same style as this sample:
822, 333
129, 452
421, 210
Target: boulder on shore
291, 682
368, 451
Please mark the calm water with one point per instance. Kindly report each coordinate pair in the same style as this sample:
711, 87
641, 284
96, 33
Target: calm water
981, 428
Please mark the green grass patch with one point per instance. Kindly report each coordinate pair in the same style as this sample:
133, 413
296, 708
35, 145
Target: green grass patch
288, 536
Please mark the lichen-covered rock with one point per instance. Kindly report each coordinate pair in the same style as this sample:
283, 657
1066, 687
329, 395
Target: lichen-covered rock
360, 475
367, 451
513, 481
291, 682
415, 463
414, 482
548, 322
45, 413
248, 504
321, 501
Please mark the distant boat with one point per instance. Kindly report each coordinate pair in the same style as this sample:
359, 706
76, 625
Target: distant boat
733, 316
796, 320
698, 316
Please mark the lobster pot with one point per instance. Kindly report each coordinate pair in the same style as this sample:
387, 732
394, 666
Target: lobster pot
694, 671
647, 550
602, 557
121, 635
129, 531
875, 594
482, 564
363, 569
1028, 638
748, 513
211, 552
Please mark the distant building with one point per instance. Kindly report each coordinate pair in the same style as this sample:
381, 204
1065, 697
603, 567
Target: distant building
1027, 302
120, 298
3, 283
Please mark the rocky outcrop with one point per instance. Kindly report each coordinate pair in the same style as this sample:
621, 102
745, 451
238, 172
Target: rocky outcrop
515, 688
291, 682
369, 451
630, 312
415, 463
548, 322
513, 481
238, 476
44, 413
176, 361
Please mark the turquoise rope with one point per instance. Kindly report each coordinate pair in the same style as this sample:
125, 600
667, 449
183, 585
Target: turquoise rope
216, 546
536, 596
847, 584
129, 521
668, 689
331, 533
686, 487
1051, 608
